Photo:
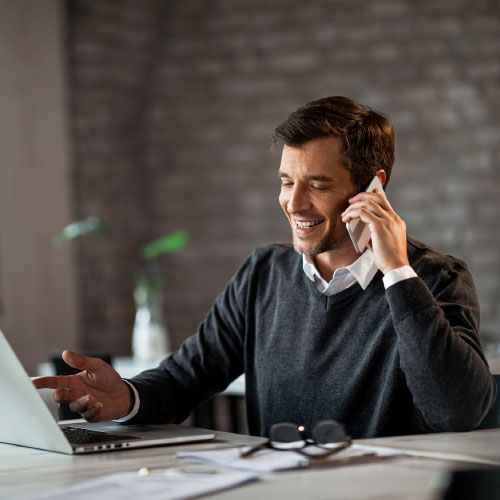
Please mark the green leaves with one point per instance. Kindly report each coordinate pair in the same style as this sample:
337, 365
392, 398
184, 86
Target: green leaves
167, 244
78, 229
170, 243
150, 278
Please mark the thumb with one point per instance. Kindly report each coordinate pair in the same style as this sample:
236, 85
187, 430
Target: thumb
79, 361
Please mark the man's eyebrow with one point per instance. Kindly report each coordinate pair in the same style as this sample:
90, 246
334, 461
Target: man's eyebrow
319, 178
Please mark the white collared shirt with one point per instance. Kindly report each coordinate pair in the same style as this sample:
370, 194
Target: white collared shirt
362, 270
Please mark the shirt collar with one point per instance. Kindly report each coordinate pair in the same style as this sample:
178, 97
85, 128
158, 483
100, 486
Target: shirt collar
363, 269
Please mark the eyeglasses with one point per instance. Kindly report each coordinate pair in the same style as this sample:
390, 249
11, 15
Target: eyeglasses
329, 435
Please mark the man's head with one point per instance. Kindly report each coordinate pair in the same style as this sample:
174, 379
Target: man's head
367, 137
332, 149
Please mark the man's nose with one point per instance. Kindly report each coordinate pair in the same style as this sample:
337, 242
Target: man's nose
298, 201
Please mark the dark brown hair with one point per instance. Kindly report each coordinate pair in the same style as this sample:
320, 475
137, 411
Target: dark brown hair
367, 136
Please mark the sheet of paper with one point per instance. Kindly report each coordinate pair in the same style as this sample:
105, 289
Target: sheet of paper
265, 460
269, 460
171, 486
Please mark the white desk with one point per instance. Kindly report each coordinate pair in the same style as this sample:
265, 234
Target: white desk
24, 471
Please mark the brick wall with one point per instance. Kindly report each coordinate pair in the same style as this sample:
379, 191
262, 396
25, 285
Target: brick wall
173, 105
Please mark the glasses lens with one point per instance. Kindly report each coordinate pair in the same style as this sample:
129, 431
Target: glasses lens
286, 436
329, 432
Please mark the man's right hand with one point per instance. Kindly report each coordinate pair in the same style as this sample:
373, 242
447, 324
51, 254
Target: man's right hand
98, 393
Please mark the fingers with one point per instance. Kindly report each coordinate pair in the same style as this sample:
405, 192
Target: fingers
374, 196
93, 414
82, 404
59, 382
81, 362
66, 395
368, 211
361, 205
87, 407
387, 229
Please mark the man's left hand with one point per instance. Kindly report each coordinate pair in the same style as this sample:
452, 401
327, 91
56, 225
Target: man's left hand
388, 230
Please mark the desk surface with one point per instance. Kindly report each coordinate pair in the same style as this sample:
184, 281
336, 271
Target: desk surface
24, 471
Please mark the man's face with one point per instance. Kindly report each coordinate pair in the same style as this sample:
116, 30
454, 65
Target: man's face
315, 189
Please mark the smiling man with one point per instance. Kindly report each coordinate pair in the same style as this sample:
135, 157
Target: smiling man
315, 189
386, 342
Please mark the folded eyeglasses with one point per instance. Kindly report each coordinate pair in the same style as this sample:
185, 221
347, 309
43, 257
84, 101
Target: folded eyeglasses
329, 435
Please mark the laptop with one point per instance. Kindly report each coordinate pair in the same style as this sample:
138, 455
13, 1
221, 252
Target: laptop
25, 420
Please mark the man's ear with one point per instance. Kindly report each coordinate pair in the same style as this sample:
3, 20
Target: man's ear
382, 176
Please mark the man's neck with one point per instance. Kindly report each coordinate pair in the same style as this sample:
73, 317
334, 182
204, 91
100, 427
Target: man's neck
328, 262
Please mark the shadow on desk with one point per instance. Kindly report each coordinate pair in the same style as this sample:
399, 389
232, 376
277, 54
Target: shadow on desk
225, 413
480, 484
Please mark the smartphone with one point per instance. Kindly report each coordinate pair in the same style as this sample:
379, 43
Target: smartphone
357, 229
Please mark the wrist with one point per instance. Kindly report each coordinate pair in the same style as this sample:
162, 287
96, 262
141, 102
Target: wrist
393, 266
129, 399
397, 275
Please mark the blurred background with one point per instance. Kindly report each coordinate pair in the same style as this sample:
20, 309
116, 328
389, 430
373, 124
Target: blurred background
157, 116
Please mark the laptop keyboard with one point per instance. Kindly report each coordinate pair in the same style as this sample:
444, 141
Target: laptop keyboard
77, 435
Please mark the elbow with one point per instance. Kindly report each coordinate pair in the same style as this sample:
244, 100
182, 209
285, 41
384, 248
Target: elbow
457, 423
483, 414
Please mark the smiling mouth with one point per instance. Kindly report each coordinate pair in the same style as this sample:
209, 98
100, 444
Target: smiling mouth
307, 224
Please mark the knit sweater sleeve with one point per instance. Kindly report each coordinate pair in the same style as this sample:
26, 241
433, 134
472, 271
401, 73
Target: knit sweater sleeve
437, 321
204, 365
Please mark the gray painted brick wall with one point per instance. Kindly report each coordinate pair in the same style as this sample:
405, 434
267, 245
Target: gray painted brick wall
173, 105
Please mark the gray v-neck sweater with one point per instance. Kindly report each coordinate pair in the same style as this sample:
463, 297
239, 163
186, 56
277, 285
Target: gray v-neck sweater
383, 362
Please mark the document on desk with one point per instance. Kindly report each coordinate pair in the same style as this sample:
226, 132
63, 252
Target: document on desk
269, 460
173, 485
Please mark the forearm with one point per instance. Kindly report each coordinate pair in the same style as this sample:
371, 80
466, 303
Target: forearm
204, 365
160, 400
441, 357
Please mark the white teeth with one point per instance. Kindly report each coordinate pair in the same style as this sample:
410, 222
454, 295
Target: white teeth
304, 225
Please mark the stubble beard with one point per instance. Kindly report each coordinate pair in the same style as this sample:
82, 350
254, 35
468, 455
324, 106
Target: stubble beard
328, 243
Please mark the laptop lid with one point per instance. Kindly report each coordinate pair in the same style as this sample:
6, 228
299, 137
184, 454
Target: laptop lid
25, 420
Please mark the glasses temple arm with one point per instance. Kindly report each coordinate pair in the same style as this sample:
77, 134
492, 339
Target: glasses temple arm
253, 449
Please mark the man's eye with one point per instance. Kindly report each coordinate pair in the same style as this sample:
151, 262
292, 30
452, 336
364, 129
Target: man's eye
319, 188
286, 184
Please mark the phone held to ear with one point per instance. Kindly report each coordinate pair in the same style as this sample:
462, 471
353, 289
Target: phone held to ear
357, 229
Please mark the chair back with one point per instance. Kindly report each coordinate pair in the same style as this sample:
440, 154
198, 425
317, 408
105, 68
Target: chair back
492, 419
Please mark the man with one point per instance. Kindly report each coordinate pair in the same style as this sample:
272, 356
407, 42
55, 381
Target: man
386, 343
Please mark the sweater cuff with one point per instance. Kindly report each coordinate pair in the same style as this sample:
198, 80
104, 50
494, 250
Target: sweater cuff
407, 297
135, 409
148, 409
397, 275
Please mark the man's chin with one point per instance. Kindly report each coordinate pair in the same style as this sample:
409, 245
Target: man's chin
307, 251
319, 248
